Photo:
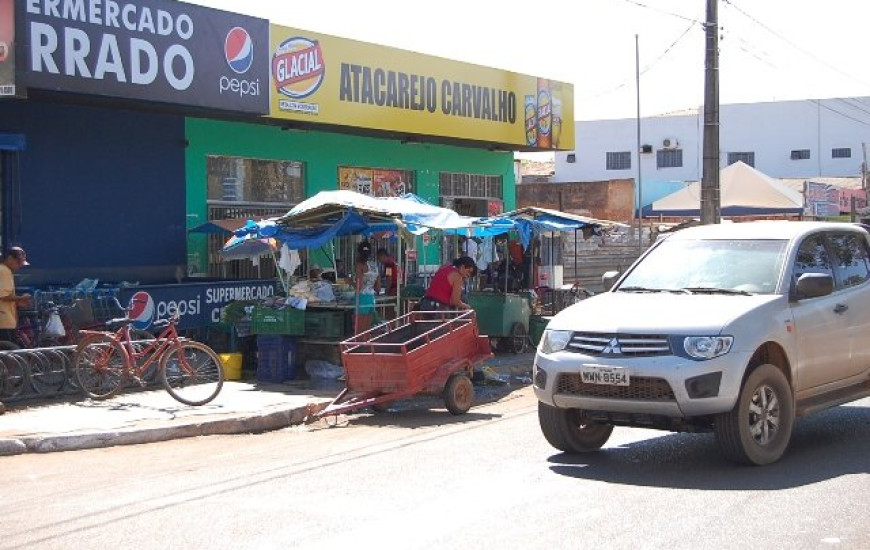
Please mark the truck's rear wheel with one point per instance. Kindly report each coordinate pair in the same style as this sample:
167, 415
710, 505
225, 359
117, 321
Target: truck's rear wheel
758, 429
571, 431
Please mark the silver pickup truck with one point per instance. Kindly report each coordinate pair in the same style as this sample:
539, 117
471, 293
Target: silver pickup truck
734, 328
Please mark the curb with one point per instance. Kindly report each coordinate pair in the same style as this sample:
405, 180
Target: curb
254, 423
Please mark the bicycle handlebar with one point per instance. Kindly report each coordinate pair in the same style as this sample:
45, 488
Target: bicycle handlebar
174, 316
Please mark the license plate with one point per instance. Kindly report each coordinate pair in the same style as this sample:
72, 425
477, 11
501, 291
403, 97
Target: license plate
609, 376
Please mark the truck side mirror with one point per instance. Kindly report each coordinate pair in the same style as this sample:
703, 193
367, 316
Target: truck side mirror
813, 285
609, 279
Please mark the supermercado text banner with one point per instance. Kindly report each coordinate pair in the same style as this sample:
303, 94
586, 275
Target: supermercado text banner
324, 79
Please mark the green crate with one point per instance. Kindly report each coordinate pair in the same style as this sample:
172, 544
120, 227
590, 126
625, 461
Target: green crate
266, 320
326, 324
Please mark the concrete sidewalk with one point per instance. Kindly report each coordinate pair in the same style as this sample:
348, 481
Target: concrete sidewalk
152, 415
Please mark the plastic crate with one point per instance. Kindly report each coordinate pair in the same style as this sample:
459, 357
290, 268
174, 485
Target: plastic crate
266, 320
276, 358
326, 324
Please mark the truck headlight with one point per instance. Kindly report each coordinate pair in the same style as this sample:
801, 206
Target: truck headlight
555, 340
707, 347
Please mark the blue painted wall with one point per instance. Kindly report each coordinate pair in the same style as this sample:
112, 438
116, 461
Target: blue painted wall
102, 193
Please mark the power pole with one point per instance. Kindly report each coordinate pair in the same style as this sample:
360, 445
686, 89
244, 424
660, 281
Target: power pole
710, 204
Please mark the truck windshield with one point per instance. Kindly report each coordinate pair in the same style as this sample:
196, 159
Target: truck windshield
745, 266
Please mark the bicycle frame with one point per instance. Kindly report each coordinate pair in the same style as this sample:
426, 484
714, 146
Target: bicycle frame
152, 352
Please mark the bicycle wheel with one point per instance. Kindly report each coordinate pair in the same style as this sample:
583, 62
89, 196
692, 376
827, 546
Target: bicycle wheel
16, 374
100, 365
47, 372
192, 373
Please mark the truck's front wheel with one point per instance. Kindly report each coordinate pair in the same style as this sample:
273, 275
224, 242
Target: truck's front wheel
571, 431
757, 430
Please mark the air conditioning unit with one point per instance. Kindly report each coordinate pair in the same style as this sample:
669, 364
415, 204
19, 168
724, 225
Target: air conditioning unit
670, 143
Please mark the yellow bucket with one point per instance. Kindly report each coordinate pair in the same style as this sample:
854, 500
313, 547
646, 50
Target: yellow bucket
232, 363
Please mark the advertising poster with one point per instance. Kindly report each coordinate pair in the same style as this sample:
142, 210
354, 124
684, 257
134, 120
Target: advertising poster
324, 79
7, 48
154, 50
389, 183
355, 179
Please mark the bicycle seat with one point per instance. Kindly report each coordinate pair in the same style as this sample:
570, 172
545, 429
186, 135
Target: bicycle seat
114, 324
160, 323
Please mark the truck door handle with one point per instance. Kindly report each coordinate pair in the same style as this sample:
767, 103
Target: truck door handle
840, 308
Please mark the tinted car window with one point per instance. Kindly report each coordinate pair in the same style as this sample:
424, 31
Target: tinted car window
851, 259
812, 257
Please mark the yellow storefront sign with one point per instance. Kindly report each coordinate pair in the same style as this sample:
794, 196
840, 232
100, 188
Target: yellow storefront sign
323, 79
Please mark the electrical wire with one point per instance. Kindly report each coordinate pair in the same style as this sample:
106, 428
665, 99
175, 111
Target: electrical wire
650, 65
792, 44
641, 5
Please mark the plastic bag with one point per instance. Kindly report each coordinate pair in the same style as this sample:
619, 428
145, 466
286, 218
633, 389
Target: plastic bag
54, 326
317, 368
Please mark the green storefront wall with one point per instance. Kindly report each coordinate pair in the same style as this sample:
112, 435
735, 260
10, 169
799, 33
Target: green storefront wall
322, 154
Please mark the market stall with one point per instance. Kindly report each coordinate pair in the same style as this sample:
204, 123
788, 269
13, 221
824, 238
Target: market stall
320, 324
513, 313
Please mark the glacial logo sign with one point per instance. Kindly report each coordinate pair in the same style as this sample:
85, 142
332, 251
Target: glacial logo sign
156, 50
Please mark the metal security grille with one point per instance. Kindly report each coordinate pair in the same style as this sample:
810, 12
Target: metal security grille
747, 157
239, 269
641, 388
841, 153
626, 345
669, 158
461, 184
619, 160
800, 154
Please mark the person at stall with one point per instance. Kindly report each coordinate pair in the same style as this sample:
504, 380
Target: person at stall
390, 271
368, 286
445, 291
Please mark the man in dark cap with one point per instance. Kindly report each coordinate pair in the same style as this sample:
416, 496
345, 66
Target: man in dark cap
14, 258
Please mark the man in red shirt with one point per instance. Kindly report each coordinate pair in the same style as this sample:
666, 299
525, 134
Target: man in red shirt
390, 271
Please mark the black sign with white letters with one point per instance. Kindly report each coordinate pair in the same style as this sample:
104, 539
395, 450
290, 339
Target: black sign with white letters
156, 50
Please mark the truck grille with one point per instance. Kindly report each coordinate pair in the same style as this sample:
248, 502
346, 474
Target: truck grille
625, 345
640, 387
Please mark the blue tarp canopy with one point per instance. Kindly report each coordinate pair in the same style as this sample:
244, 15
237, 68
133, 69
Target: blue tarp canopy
532, 221
329, 214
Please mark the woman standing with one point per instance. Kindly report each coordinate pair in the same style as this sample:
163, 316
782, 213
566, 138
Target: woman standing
367, 287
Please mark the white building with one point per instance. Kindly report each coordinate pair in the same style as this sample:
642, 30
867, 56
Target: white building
785, 139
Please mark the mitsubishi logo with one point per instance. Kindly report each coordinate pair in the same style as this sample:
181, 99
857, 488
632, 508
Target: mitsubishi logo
612, 347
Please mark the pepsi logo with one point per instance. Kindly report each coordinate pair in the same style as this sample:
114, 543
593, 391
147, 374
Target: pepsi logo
142, 311
239, 50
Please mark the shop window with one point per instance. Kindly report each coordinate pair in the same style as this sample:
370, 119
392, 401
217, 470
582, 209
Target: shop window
377, 182
462, 184
244, 188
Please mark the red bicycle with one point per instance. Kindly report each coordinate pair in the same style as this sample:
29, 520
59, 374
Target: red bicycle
105, 362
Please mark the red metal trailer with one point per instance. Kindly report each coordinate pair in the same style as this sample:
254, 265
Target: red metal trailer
422, 352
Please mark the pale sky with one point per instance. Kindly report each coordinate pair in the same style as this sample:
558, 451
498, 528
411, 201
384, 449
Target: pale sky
770, 50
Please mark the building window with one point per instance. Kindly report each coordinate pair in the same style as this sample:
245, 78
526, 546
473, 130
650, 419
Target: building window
800, 154
571, 158
376, 182
669, 158
747, 157
619, 161
245, 188
478, 186
841, 153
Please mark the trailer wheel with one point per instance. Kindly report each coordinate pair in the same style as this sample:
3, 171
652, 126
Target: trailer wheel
519, 338
458, 394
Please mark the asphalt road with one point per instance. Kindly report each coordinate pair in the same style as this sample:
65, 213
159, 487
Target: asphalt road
421, 478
